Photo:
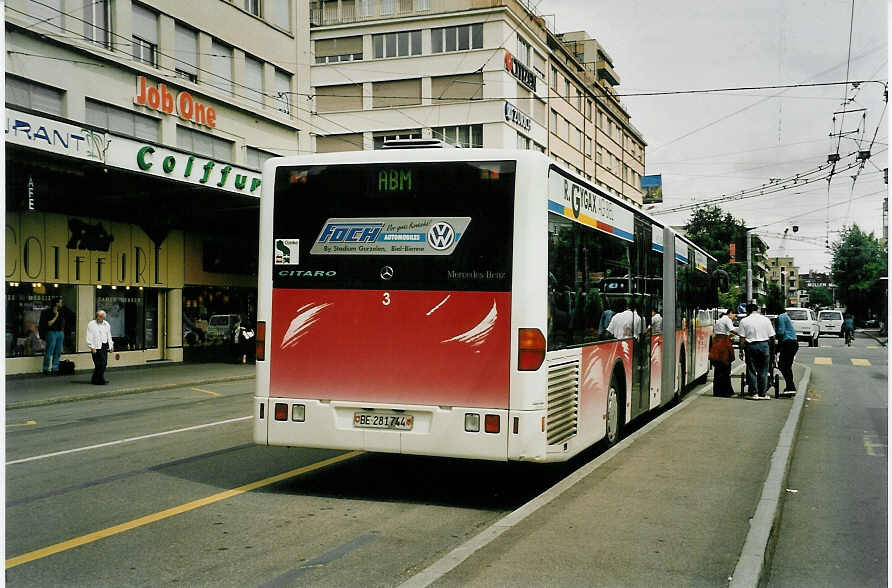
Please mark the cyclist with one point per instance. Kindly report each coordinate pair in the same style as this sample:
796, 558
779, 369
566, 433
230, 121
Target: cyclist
848, 329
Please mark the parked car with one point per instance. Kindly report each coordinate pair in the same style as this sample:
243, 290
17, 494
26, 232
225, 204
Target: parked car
220, 325
831, 322
806, 324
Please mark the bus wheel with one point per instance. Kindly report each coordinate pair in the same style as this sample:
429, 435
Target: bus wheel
614, 425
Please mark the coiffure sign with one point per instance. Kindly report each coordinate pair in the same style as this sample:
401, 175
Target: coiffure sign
520, 71
75, 141
163, 100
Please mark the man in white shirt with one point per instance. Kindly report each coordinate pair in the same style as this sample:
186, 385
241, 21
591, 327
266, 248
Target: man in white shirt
755, 331
625, 324
99, 339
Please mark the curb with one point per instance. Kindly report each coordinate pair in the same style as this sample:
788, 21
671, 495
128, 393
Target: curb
881, 340
755, 558
122, 392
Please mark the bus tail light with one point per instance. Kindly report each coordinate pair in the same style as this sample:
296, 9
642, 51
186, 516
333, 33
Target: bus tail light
260, 341
491, 423
281, 412
530, 349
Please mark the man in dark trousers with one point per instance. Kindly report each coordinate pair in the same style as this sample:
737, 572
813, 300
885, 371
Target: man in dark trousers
100, 341
788, 346
52, 328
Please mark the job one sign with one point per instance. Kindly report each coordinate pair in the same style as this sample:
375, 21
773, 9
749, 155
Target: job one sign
162, 99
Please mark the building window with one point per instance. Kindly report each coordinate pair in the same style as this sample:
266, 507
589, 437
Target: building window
554, 77
396, 93
523, 142
133, 316
379, 137
96, 22
24, 304
554, 122
388, 7
278, 12
253, 6
524, 51
399, 44
45, 12
254, 157
422, 5
337, 50
283, 91
365, 8
254, 80
599, 153
221, 66
122, 121
567, 89
186, 50
588, 146
145, 34
462, 135
204, 144
28, 94
459, 38
588, 109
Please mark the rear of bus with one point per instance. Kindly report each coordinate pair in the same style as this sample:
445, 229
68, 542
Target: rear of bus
385, 293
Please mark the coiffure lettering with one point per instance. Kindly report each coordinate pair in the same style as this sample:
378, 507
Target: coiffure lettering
161, 99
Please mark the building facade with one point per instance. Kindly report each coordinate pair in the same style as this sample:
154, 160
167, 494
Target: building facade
783, 273
135, 136
475, 73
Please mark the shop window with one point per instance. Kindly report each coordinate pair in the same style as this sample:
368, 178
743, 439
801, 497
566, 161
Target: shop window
28, 94
96, 22
203, 144
123, 121
132, 314
24, 303
229, 256
462, 135
210, 313
186, 50
145, 34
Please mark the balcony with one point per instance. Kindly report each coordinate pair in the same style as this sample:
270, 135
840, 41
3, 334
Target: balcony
335, 12
606, 72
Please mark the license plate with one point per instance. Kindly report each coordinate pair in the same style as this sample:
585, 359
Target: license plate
379, 420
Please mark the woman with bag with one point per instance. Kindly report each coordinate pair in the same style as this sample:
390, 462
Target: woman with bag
721, 354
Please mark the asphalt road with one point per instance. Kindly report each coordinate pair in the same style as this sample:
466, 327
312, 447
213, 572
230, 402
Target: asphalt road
833, 529
152, 489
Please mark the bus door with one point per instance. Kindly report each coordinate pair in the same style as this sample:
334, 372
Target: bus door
641, 304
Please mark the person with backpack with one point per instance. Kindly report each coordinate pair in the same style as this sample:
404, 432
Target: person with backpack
52, 330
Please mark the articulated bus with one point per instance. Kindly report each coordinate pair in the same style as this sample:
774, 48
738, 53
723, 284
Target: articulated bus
484, 304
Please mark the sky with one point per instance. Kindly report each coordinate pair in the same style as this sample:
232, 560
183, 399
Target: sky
712, 144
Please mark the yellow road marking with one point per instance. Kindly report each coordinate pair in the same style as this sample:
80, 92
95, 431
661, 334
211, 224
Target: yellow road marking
211, 392
158, 516
25, 424
856, 361
823, 361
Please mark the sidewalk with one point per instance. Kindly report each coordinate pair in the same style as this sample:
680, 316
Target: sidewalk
682, 505
38, 390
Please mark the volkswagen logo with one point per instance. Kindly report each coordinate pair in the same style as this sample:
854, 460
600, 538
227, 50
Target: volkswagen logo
441, 236
386, 272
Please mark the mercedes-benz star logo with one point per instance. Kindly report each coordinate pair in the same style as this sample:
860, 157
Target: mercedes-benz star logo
386, 272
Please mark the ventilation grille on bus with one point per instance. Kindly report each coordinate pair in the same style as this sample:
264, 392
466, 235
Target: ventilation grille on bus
563, 401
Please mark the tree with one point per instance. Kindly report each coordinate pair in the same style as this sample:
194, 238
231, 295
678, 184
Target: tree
774, 300
820, 296
715, 230
859, 261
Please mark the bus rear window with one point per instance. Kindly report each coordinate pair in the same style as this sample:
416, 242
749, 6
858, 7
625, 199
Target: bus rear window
412, 226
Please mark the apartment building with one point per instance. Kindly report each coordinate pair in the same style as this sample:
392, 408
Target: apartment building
477, 73
135, 136
783, 273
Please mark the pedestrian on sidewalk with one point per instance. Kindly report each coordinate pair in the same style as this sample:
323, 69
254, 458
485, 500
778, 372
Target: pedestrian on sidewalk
788, 345
100, 341
721, 354
52, 329
755, 330
242, 340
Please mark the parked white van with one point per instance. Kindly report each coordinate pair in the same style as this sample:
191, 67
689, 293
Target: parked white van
831, 322
806, 324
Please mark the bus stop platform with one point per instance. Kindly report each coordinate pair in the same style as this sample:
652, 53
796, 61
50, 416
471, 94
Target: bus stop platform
24, 391
689, 499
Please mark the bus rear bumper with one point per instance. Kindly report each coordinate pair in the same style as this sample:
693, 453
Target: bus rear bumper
435, 430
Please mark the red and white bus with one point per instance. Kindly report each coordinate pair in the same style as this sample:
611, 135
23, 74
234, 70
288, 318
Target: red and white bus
479, 303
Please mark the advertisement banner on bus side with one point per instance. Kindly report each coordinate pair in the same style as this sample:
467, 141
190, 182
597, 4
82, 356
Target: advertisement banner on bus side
700, 260
390, 236
576, 202
681, 251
